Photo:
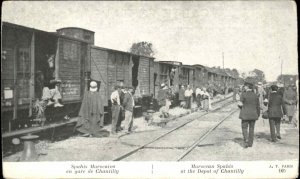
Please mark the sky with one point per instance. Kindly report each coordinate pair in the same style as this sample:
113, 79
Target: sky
250, 34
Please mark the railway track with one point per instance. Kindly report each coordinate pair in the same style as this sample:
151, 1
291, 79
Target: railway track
162, 143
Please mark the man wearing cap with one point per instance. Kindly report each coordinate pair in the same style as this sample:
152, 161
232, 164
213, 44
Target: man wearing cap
250, 111
128, 104
115, 109
275, 112
261, 93
91, 114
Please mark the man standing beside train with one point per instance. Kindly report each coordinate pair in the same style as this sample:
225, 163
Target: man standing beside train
115, 109
188, 96
128, 104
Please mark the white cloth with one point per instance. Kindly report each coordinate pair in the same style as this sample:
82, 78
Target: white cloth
115, 97
188, 93
198, 91
51, 93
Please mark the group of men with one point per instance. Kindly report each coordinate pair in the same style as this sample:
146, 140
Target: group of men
122, 105
186, 98
200, 95
273, 103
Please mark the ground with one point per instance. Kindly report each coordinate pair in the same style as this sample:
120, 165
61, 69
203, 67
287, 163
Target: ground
224, 143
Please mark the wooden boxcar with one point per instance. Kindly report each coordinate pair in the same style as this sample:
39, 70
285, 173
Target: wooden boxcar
24, 53
187, 75
113, 67
166, 72
201, 76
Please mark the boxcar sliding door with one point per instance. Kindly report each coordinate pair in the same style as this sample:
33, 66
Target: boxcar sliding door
71, 57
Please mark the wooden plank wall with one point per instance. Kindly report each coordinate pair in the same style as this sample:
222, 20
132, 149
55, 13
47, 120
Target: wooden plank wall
143, 76
151, 68
99, 60
16, 45
111, 72
70, 69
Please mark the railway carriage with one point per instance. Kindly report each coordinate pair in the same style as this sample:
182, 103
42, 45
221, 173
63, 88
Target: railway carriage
187, 76
201, 76
113, 67
24, 54
166, 72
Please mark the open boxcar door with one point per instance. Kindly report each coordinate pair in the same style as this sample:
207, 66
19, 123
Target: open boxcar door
71, 55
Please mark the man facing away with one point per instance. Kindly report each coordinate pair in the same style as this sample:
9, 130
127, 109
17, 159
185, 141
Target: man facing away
115, 109
128, 104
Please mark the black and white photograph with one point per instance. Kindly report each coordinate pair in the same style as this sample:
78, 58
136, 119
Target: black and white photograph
149, 89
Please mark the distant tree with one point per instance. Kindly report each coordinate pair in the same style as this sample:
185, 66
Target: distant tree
287, 79
142, 48
235, 72
260, 75
254, 76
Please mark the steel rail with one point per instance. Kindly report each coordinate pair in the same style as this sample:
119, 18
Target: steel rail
202, 137
170, 131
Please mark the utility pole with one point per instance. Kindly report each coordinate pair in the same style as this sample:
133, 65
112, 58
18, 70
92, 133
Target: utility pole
223, 59
281, 77
224, 76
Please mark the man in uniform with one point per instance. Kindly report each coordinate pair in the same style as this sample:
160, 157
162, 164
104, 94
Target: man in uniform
188, 96
115, 109
128, 105
122, 112
91, 114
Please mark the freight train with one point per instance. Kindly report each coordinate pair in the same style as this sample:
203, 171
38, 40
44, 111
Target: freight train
25, 52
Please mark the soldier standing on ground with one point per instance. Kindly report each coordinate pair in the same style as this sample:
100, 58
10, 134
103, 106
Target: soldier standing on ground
91, 114
115, 109
128, 104
181, 96
290, 101
250, 112
275, 112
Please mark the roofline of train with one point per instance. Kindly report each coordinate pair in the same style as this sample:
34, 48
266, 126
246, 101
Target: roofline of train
55, 34
114, 50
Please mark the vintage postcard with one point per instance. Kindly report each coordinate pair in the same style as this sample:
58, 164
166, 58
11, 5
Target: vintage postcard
149, 89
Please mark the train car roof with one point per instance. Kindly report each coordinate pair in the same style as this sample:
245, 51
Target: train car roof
54, 34
200, 66
76, 28
188, 66
119, 51
176, 63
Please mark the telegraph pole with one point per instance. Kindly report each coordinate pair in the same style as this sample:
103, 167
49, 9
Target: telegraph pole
281, 72
224, 76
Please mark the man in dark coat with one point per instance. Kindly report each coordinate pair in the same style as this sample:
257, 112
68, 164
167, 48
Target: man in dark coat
181, 96
91, 112
275, 112
249, 113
